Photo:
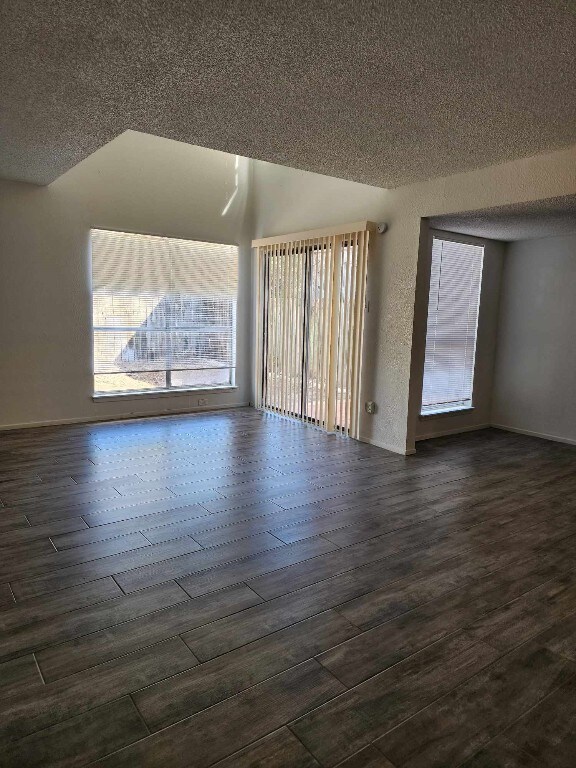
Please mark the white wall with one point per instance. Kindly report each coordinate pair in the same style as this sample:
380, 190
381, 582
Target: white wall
289, 200
535, 375
480, 415
137, 183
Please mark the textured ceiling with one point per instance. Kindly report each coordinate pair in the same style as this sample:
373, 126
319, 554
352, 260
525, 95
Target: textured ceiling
521, 221
384, 93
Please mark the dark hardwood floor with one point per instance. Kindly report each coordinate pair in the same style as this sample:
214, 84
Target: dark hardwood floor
234, 589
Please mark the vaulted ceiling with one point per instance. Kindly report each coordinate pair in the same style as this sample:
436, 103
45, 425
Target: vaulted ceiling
383, 92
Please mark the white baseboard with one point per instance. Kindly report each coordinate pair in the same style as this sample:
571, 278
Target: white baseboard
120, 417
445, 432
203, 409
387, 447
531, 433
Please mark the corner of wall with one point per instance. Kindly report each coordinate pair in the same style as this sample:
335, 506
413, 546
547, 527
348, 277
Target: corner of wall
418, 333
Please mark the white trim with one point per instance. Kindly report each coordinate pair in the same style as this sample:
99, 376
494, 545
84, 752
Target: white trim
387, 447
444, 432
100, 397
436, 234
121, 416
341, 229
458, 237
441, 414
531, 433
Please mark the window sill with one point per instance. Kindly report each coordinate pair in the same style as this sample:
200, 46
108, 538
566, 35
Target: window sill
152, 393
441, 414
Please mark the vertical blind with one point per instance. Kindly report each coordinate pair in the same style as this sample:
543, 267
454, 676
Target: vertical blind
164, 312
310, 328
455, 282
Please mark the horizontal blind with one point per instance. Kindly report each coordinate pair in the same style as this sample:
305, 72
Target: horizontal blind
455, 282
163, 304
311, 294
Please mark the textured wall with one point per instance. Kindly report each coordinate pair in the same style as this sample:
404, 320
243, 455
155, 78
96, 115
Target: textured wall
137, 183
289, 200
535, 376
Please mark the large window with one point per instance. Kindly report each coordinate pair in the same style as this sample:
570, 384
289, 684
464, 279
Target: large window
454, 300
164, 313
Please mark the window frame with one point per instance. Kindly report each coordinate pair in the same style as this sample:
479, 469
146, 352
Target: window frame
168, 391
454, 237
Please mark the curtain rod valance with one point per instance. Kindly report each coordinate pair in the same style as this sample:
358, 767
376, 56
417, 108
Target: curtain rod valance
312, 234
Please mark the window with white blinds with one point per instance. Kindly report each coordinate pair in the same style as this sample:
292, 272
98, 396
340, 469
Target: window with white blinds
455, 282
164, 312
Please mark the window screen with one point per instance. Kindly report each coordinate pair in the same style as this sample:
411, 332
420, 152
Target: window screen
164, 312
455, 281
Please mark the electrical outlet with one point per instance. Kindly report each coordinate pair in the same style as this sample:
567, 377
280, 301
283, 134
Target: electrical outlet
370, 406
202, 401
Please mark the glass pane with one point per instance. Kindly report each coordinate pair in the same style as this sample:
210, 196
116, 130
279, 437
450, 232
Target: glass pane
116, 351
206, 378
285, 309
455, 284
128, 310
128, 382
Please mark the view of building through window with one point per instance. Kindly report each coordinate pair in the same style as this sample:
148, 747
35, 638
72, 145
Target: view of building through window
164, 313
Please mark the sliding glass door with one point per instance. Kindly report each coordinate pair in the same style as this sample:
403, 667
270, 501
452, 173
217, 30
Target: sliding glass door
311, 306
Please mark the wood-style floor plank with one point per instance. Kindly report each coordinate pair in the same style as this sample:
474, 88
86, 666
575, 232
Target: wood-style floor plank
452, 729
99, 568
85, 621
21, 673
185, 694
234, 589
359, 716
246, 717
64, 601
6, 597
502, 753
369, 757
143, 623
547, 733
40, 708
280, 749
79, 740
